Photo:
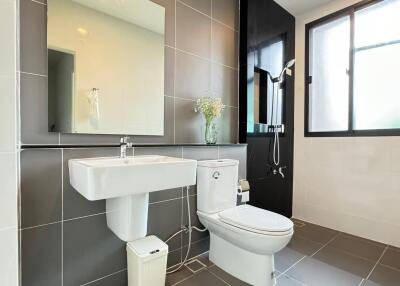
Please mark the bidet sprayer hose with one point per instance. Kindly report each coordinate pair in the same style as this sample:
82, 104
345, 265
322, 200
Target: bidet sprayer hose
189, 229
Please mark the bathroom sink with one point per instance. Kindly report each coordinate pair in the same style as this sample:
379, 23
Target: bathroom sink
105, 178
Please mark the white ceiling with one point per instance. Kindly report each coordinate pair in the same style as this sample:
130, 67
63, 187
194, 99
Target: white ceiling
298, 7
143, 13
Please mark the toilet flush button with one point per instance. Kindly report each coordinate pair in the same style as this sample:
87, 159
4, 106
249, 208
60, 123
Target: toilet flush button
216, 175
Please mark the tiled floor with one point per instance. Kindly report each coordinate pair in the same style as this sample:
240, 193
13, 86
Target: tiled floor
316, 256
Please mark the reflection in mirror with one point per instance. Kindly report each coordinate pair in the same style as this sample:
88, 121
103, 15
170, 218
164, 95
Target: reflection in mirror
106, 67
265, 103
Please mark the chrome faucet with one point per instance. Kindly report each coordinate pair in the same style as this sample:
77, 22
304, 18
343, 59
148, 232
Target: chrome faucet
124, 145
280, 171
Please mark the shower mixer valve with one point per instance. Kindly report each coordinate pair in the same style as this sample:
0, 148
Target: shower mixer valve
280, 171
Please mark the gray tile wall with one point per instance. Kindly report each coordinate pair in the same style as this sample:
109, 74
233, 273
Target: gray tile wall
201, 54
64, 237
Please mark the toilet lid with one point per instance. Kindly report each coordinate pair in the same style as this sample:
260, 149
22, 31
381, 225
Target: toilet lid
257, 219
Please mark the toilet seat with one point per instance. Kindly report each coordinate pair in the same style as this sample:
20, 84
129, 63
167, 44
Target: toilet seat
256, 220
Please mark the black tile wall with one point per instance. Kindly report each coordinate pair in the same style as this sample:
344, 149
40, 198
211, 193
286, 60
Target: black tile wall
64, 237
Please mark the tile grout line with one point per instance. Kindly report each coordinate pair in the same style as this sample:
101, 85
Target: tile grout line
101, 278
217, 276
293, 265
174, 72
209, 16
30, 73
62, 217
326, 244
91, 215
184, 279
206, 59
37, 2
301, 259
376, 264
203, 58
293, 279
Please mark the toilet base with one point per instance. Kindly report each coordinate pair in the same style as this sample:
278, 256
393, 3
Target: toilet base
249, 267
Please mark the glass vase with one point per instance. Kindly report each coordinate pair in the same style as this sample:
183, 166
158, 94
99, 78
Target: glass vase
211, 133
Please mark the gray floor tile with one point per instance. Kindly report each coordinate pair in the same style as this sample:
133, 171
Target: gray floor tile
385, 276
286, 258
41, 256
313, 272
370, 283
41, 191
178, 276
343, 260
194, 265
233, 281
287, 281
358, 246
202, 279
316, 233
391, 258
91, 250
303, 246
204, 258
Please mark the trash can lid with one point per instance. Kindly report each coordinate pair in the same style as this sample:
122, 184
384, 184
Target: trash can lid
148, 245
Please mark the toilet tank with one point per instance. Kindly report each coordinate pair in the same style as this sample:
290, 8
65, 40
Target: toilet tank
217, 183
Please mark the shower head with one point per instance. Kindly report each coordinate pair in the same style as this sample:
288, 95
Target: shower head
288, 65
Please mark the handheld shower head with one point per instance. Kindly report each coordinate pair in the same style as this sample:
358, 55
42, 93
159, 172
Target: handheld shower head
288, 65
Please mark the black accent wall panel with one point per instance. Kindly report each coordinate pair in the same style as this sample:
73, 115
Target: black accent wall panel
260, 22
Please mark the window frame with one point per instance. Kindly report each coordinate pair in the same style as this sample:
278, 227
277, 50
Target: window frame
348, 11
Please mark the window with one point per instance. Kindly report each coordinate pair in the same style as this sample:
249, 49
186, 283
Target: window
353, 71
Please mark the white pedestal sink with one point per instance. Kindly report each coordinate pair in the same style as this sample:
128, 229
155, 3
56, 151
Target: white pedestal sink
125, 183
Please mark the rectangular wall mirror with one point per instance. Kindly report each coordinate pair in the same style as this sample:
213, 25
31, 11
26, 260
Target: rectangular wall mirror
106, 67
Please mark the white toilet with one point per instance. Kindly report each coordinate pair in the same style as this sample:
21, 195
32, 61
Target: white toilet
243, 239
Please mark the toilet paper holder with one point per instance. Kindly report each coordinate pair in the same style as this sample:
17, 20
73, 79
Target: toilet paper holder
244, 191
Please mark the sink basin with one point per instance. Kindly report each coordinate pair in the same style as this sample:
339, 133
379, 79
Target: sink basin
104, 178
125, 183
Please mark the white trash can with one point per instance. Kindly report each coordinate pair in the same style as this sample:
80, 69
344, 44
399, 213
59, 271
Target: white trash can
147, 261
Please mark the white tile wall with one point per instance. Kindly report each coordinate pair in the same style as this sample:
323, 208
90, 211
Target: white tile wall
9, 257
8, 144
351, 184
